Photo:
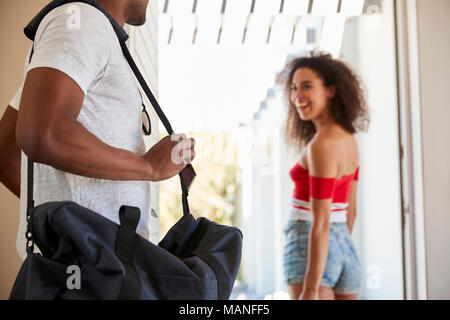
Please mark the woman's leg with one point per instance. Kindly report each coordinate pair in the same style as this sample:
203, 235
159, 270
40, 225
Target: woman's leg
326, 293
295, 291
351, 296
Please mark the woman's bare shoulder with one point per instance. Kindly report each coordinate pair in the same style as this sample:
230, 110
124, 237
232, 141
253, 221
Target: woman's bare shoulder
322, 156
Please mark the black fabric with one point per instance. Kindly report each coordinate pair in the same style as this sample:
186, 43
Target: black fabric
197, 259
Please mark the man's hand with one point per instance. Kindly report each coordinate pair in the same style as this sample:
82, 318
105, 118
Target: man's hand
169, 156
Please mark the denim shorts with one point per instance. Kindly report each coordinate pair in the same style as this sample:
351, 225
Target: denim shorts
342, 270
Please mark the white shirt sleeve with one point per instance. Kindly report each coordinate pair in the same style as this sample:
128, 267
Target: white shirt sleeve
80, 50
76, 42
15, 101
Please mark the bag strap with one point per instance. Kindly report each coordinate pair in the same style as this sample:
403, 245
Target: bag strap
188, 171
145, 87
187, 175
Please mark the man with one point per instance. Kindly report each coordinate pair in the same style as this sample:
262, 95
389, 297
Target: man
78, 116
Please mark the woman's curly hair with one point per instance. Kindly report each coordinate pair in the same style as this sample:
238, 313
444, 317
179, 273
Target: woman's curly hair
348, 106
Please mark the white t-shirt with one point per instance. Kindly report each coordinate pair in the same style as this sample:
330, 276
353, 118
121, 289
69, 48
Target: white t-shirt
92, 57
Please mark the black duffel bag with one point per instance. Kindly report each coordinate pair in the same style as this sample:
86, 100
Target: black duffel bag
197, 259
84, 255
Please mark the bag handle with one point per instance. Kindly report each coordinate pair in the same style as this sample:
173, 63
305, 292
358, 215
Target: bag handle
125, 248
126, 238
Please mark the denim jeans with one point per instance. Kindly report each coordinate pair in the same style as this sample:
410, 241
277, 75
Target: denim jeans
342, 271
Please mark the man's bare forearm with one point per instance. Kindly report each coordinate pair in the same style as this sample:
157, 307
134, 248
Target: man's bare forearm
72, 148
10, 153
10, 173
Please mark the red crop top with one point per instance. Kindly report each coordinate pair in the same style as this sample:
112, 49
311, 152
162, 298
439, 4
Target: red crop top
307, 186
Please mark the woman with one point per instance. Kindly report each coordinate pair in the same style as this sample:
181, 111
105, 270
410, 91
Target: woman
326, 109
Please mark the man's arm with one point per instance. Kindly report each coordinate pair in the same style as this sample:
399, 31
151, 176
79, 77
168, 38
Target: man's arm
48, 132
10, 153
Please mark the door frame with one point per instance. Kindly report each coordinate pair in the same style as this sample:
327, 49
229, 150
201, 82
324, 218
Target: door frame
411, 162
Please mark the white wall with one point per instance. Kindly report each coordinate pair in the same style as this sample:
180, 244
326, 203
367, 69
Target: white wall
434, 66
263, 246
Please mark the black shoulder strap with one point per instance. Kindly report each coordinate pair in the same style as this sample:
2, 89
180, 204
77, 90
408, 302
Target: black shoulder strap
32, 27
188, 174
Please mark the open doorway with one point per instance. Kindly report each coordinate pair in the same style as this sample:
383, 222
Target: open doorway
222, 92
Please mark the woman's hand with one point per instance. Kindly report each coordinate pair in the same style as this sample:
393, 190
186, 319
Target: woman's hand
309, 295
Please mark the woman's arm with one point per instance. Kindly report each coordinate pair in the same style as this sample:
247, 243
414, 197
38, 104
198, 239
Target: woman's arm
351, 212
322, 163
318, 248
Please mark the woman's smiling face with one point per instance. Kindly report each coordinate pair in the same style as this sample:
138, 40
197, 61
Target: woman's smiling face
309, 95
